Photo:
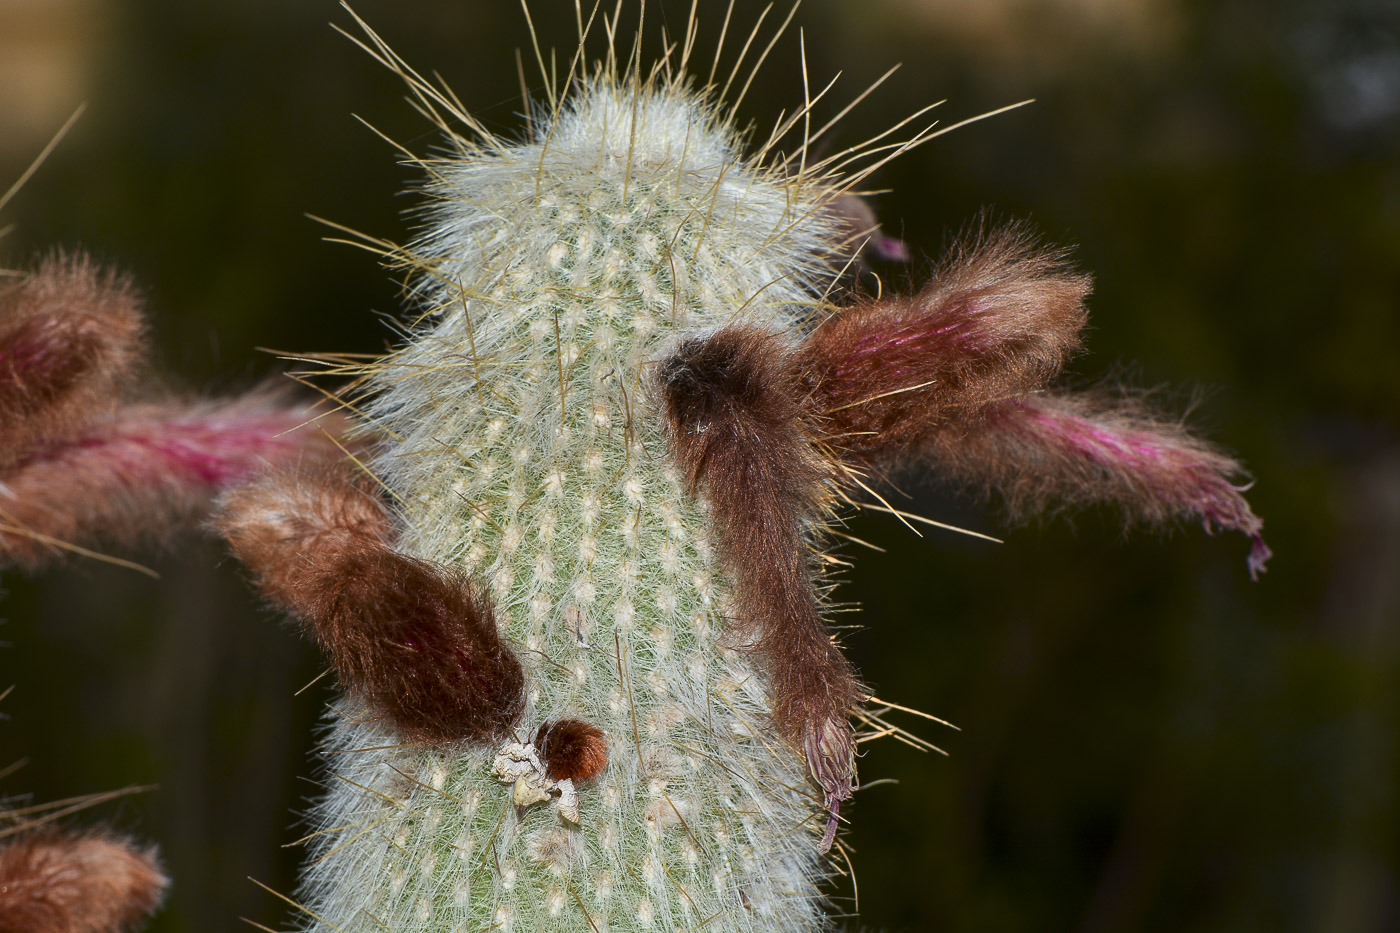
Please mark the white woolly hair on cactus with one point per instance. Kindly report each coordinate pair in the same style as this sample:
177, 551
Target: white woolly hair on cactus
574, 584
528, 449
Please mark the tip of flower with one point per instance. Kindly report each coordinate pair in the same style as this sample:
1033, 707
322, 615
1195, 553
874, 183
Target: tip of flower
1259, 555
889, 248
830, 751
833, 814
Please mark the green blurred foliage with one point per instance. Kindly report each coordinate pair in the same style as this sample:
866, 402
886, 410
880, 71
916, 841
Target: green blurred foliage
1149, 741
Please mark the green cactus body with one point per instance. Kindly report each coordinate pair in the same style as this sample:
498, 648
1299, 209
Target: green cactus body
527, 449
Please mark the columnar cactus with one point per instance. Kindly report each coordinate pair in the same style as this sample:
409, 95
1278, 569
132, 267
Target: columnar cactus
527, 447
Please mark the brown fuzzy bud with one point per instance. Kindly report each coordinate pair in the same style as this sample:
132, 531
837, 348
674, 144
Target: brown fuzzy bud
417, 641
147, 472
572, 749
71, 337
53, 882
997, 322
739, 430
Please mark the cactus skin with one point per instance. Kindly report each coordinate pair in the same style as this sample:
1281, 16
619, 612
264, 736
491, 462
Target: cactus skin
530, 451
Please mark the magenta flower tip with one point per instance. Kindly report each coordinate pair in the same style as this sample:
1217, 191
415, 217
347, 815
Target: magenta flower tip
890, 249
1259, 555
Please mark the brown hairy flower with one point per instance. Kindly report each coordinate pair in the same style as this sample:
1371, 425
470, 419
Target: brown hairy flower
147, 471
997, 321
416, 640
956, 376
56, 882
739, 431
71, 338
1092, 447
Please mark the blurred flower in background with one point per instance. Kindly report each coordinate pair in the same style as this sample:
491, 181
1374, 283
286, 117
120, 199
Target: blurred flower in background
48, 59
1033, 36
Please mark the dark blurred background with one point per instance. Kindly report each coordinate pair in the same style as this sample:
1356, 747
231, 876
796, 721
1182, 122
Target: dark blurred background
1150, 741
